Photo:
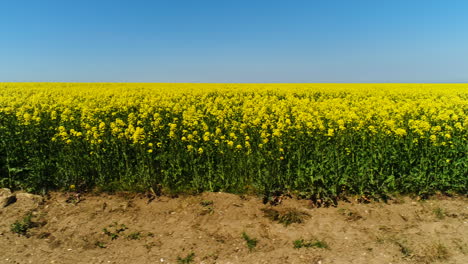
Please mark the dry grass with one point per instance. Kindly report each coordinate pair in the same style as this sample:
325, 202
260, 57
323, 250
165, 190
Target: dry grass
286, 216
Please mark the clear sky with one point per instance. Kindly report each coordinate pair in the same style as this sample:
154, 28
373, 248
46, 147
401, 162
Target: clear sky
234, 41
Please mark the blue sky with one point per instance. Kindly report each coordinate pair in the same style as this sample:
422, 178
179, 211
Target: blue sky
234, 41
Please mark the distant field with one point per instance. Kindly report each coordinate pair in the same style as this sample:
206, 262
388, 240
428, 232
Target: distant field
317, 140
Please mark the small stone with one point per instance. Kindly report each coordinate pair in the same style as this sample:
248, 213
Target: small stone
29, 201
6, 198
5, 192
28, 196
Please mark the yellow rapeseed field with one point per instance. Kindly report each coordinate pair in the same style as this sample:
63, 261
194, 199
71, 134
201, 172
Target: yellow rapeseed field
320, 139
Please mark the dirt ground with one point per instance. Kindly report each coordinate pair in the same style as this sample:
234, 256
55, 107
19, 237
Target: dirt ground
209, 228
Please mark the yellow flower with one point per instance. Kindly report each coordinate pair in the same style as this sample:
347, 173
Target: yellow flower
102, 126
400, 132
138, 135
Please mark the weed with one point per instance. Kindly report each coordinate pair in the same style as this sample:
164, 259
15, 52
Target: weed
213, 256
207, 210
301, 243
208, 207
43, 235
440, 251
188, 259
298, 243
434, 252
349, 214
112, 235
206, 203
398, 241
404, 249
117, 229
134, 236
22, 226
460, 245
120, 228
150, 245
251, 242
439, 213
380, 240
100, 244
285, 217
74, 199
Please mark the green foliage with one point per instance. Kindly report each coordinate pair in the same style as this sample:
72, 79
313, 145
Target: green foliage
134, 236
301, 243
207, 207
187, 260
114, 230
22, 226
319, 167
206, 203
250, 242
404, 249
100, 244
439, 213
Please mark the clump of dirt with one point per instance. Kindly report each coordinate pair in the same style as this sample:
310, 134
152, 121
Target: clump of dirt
228, 228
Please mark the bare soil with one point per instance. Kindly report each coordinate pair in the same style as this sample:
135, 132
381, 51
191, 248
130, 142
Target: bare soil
208, 228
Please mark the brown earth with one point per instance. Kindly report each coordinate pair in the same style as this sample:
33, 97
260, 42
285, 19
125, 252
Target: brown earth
129, 228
